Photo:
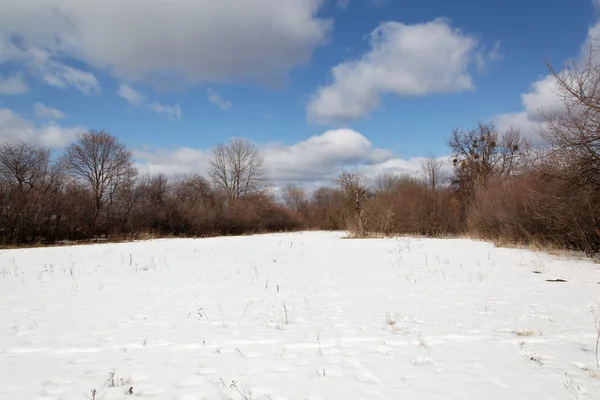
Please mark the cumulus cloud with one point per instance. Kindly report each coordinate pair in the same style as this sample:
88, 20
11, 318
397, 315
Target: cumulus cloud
541, 97
311, 162
42, 111
217, 100
13, 85
407, 60
153, 40
320, 157
14, 128
135, 98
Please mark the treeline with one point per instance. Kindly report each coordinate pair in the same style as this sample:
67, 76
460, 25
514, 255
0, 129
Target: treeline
93, 190
498, 187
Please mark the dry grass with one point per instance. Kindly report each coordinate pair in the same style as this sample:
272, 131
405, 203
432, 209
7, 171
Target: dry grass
526, 332
371, 236
391, 319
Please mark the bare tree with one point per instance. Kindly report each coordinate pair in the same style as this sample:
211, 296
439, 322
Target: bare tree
103, 163
433, 173
434, 177
237, 168
23, 166
573, 131
356, 193
25, 174
386, 183
295, 198
482, 153
193, 190
130, 194
324, 208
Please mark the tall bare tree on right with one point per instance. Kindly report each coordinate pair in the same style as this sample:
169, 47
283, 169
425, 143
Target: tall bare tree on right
574, 131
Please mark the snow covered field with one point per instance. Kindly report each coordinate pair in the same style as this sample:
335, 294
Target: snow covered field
296, 316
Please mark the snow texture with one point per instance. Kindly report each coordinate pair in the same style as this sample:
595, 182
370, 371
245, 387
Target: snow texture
296, 316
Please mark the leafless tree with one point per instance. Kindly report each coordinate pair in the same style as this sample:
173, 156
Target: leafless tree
237, 168
294, 198
574, 131
354, 187
156, 191
23, 166
129, 198
324, 208
482, 153
434, 176
103, 163
193, 190
433, 173
386, 183
26, 177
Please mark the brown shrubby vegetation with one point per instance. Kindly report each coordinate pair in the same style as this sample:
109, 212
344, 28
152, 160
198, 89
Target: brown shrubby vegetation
495, 186
554, 197
94, 191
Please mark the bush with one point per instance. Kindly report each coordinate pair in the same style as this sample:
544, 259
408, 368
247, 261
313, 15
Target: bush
537, 209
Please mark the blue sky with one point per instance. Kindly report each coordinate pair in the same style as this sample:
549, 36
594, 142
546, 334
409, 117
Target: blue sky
318, 84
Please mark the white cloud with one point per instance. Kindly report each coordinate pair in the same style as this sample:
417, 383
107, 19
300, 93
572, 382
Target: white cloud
314, 161
42, 63
43, 112
172, 161
134, 97
131, 95
541, 97
14, 128
522, 121
56, 136
173, 112
318, 156
408, 60
217, 100
62, 76
483, 57
13, 85
155, 41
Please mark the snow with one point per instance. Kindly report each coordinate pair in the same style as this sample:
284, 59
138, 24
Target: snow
307, 315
